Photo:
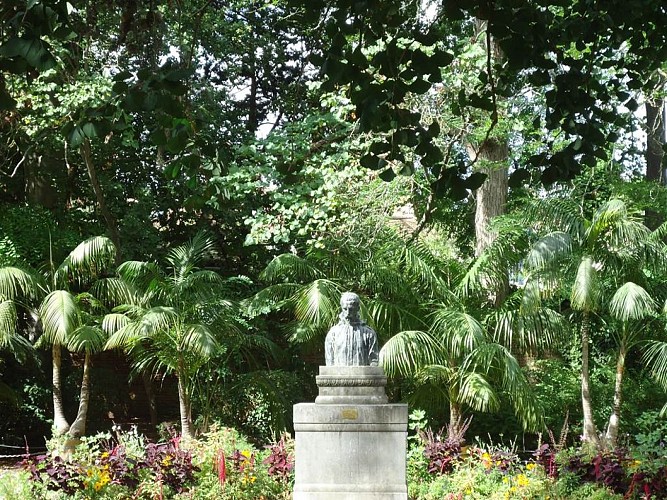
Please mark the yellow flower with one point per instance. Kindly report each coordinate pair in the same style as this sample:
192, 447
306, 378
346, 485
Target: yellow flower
166, 461
522, 480
505, 480
248, 479
105, 454
530, 466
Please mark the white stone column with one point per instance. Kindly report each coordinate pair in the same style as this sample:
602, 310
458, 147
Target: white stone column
350, 444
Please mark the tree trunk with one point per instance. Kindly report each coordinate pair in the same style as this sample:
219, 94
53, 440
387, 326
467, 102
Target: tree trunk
655, 138
60, 424
112, 225
590, 431
78, 428
150, 394
615, 417
186, 411
184, 404
490, 201
455, 420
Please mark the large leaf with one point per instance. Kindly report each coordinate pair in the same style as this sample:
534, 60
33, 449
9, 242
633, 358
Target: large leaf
408, 352
60, 317
87, 260
290, 267
585, 289
631, 302
548, 250
88, 339
35, 51
317, 302
16, 283
198, 340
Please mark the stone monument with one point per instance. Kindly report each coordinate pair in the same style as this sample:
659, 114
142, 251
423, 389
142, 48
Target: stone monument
350, 444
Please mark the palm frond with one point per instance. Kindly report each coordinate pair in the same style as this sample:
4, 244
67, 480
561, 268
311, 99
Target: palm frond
628, 239
555, 214
388, 317
290, 267
631, 302
318, 302
585, 289
548, 250
138, 272
457, 330
531, 296
490, 270
187, 257
297, 331
199, 340
407, 352
477, 392
60, 317
271, 298
114, 291
125, 337
437, 374
113, 322
607, 215
88, 339
419, 262
16, 283
8, 319
88, 259
497, 362
157, 319
539, 330
655, 358
10, 340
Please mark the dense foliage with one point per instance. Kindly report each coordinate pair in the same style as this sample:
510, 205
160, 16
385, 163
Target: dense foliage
187, 186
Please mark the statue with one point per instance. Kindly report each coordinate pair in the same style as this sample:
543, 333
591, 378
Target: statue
351, 342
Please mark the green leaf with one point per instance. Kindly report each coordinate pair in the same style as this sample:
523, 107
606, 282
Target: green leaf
442, 58
89, 130
434, 129
387, 175
518, 177
369, 161
475, 180
6, 101
420, 86
32, 49
77, 136
123, 75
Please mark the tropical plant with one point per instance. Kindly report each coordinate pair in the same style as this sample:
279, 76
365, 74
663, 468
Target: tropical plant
560, 249
65, 315
460, 360
393, 278
173, 322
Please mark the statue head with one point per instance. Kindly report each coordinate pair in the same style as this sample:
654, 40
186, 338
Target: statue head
350, 305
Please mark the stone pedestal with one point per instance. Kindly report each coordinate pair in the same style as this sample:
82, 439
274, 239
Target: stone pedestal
350, 444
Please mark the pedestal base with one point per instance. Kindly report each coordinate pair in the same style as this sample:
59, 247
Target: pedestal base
350, 451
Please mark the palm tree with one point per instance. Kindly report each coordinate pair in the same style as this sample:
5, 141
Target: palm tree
393, 279
407, 299
17, 291
66, 324
631, 305
173, 322
63, 319
595, 256
465, 358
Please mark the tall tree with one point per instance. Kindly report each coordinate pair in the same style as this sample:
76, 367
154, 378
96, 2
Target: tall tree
174, 322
